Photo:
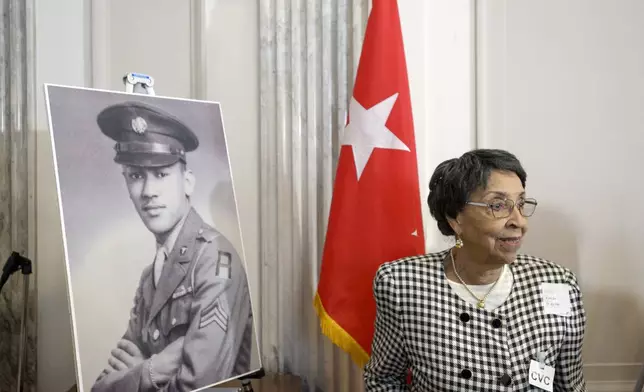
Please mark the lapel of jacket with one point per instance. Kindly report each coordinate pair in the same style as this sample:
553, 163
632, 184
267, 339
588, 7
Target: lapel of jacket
177, 264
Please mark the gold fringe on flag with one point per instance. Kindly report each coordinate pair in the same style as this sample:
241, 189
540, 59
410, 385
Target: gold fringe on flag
339, 336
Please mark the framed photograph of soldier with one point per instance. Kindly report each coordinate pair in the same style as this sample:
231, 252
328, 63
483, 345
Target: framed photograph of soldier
157, 280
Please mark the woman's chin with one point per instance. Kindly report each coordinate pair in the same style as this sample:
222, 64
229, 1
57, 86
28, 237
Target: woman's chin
506, 257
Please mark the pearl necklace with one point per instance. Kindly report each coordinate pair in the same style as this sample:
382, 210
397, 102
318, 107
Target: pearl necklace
481, 301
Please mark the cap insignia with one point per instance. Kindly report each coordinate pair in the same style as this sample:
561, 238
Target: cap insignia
139, 125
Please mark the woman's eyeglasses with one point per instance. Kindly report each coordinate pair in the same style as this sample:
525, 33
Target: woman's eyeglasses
504, 208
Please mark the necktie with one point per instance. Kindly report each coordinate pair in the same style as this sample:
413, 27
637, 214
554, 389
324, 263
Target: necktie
159, 260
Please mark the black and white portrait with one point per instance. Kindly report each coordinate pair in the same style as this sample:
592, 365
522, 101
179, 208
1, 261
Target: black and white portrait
157, 279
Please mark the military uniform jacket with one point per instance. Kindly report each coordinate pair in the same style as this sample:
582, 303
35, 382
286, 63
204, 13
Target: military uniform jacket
451, 345
202, 296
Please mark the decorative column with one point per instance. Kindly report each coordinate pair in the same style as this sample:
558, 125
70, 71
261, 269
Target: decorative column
309, 55
17, 153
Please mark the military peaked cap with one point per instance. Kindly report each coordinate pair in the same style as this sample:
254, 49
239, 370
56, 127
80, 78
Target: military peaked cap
145, 135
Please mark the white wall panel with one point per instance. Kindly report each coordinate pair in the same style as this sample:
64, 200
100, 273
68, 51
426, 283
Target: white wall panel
60, 43
561, 85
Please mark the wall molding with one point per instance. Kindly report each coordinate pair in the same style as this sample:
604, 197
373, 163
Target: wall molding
441, 63
612, 375
610, 386
99, 44
198, 49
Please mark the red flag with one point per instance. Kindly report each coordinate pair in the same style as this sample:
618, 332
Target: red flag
375, 211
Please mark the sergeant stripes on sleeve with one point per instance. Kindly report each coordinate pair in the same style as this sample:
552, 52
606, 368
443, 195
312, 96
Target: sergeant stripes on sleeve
217, 312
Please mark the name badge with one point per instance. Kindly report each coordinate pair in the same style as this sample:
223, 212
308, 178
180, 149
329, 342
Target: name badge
556, 298
541, 376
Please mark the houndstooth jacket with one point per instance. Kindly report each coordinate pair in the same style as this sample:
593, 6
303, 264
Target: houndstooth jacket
451, 345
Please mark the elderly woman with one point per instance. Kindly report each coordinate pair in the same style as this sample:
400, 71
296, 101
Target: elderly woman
478, 316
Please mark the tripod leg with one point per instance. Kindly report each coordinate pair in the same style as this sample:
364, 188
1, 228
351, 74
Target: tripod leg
22, 352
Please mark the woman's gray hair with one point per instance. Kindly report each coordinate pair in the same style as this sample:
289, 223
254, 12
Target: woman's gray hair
454, 180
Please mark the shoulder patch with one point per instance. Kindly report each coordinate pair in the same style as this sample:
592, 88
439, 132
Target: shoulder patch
224, 267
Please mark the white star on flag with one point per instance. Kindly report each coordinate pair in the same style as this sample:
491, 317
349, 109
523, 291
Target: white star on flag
367, 130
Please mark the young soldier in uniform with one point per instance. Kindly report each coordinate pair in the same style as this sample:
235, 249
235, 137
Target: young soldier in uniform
191, 322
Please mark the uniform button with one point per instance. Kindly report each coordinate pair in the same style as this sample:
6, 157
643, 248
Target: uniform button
505, 380
200, 231
496, 323
465, 317
174, 321
466, 374
155, 334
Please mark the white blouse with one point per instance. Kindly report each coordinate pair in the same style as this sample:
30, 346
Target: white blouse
496, 298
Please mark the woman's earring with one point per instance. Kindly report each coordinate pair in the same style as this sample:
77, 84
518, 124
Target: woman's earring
459, 243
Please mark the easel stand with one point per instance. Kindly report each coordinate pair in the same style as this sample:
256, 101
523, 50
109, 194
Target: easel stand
14, 263
135, 82
139, 83
245, 381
